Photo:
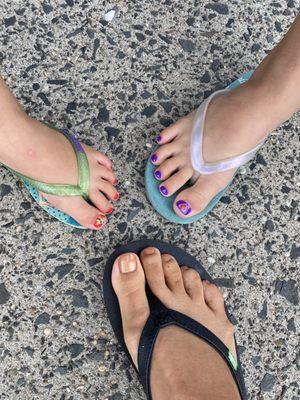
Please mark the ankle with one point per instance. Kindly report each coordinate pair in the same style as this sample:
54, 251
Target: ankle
275, 82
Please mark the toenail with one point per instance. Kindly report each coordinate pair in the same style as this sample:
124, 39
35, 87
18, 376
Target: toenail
127, 263
154, 157
157, 175
163, 190
109, 211
158, 138
149, 250
116, 196
167, 257
184, 207
100, 221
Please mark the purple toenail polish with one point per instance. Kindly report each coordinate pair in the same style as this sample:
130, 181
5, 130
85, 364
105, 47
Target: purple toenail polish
154, 157
163, 190
183, 207
157, 175
158, 138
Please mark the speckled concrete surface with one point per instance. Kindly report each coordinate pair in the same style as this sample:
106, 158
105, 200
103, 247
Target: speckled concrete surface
119, 82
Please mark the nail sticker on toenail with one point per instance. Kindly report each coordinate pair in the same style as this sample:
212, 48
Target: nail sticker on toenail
100, 221
163, 190
183, 207
154, 157
158, 138
127, 264
157, 175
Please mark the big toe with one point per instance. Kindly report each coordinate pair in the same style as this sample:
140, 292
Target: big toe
128, 281
85, 214
193, 200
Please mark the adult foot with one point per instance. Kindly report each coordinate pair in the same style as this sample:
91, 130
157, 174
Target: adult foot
235, 122
180, 289
44, 154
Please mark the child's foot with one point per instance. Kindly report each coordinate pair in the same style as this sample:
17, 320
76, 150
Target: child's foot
175, 374
235, 123
44, 154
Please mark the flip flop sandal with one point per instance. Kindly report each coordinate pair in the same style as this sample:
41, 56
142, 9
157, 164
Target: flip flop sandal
81, 189
164, 205
161, 317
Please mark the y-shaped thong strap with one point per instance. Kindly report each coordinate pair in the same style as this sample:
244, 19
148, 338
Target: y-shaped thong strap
198, 162
163, 317
81, 189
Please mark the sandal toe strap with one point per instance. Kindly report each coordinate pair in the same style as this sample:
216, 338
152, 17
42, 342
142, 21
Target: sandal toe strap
82, 187
166, 317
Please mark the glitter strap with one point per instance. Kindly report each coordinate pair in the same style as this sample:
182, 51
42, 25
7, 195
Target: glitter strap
198, 162
57, 189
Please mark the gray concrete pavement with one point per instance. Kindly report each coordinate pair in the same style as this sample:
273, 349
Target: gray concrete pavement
118, 78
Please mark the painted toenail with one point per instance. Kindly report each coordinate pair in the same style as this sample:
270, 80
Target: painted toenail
163, 190
157, 175
116, 196
100, 221
154, 157
127, 263
158, 138
183, 207
109, 211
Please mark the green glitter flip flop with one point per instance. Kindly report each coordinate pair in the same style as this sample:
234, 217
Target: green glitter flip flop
81, 189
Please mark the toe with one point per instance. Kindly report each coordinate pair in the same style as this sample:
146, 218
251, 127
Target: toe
176, 181
168, 134
152, 264
85, 214
194, 199
128, 280
108, 189
107, 174
172, 272
214, 298
100, 201
103, 159
163, 152
192, 283
167, 168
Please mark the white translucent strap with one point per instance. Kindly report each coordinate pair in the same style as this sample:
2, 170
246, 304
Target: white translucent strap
198, 162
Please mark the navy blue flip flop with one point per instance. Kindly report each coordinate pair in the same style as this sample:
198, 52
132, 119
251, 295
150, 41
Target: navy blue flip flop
161, 317
164, 205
